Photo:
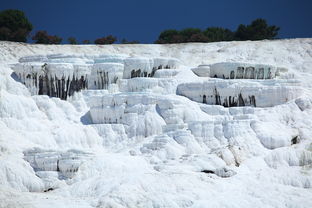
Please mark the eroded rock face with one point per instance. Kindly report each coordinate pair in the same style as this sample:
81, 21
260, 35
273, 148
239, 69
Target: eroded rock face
137, 112
238, 93
53, 79
64, 165
146, 67
61, 75
234, 70
105, 74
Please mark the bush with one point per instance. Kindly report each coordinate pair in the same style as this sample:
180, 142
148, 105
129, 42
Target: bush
183, 36
106, 40
216, 34
189, 32
169, 36
42, 37
199, 37
72, 40
5, 33
14, 26
257, 30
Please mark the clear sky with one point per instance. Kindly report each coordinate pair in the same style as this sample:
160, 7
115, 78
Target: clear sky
143, 20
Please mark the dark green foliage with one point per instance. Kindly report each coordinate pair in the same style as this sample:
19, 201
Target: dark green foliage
42, 37
124, 41
216, 34
241, 33
198, 37
257, 30
14, 26
72, 40
183, 36
106, 40
188, 33
169, 36
5, 33
55, 39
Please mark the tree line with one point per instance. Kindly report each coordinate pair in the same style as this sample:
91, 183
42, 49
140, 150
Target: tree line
14, 26
257, 30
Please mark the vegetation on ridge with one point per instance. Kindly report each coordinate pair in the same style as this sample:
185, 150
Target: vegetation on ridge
14, 26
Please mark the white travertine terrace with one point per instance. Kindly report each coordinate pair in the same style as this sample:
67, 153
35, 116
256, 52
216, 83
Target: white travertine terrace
229, 93
235, 70
179, 138
60, 75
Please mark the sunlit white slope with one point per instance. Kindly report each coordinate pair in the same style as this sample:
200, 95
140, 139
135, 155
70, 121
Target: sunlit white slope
140, 144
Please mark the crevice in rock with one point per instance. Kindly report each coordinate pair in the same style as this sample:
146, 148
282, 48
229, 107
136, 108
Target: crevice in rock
208, 171
49, 189
295, 140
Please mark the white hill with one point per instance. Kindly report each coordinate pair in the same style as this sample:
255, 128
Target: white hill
225, 124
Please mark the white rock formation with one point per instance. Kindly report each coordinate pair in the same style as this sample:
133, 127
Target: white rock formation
105, 74
234, 70
151, 139
59, 75
240, 93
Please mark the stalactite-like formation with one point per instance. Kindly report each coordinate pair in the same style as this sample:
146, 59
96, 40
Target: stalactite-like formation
230, 93
61, 87
105, 74
63, 75
245, 73
141, 73
231, 101
229, 70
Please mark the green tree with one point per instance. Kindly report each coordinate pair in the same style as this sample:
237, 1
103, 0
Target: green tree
5, 33
72, 40
257, 30
14, 26
42, 37
216, 34
198, 37
188, 33
55, 39
169, 36
106, 40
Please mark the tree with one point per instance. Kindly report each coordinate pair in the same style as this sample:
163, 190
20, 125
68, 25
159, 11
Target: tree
198, 37
55, 39
14, 26
183, 36
242, 33
257, 30
106, 40
72, 40
189, 32
43, 38
169, 36
5, 33
216, 34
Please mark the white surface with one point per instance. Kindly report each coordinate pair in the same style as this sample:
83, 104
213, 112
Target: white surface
154, 154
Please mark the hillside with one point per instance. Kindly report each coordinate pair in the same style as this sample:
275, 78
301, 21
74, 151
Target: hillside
223, 124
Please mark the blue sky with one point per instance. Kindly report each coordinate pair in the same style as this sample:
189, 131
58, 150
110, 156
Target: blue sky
143, 20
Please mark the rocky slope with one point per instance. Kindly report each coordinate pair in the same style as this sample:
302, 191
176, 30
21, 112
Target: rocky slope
185, 125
